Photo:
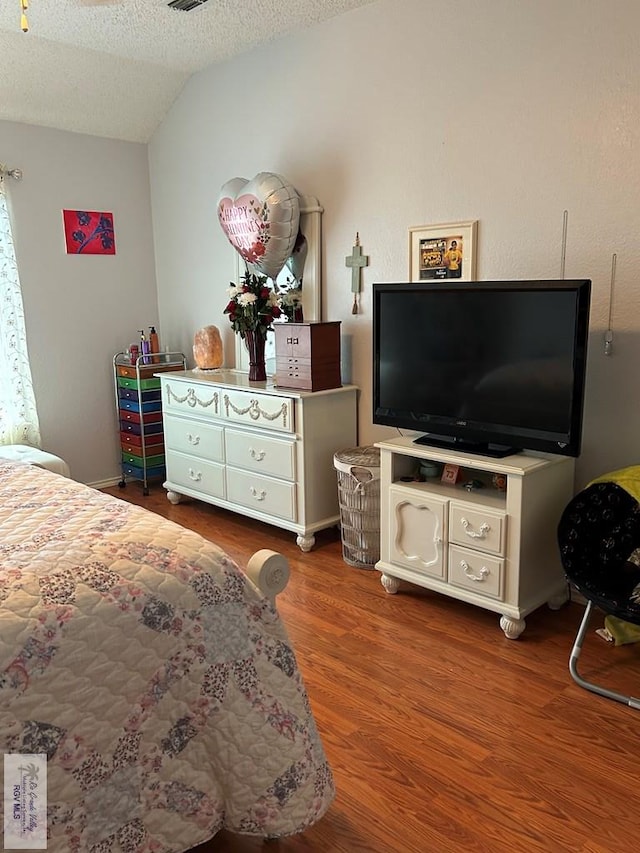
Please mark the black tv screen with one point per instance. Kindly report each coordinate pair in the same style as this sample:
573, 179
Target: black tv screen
492, 367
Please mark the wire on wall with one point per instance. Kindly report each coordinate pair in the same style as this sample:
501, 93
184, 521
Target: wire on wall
563, 255
608, 335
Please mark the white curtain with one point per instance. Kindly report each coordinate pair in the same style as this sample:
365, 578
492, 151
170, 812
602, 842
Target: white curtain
18, 414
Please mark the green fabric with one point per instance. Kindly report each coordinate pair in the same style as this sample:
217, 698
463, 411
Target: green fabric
627, 478
621, 631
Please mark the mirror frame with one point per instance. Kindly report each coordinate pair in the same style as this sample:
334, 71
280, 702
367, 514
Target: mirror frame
310, 224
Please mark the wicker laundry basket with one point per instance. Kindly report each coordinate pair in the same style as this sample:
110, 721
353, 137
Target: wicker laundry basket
358, 470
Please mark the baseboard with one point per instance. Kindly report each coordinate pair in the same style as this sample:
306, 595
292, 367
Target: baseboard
104, 484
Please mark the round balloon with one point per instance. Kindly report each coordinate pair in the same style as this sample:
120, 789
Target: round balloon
260, 218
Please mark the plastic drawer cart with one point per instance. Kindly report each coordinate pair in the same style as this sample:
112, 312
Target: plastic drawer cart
139, 409
358, 470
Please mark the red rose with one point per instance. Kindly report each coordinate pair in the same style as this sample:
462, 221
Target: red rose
276, 311
264, 293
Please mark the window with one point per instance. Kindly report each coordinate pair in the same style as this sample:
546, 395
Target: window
18, 414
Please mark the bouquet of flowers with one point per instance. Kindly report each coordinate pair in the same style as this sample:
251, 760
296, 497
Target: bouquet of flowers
253, 305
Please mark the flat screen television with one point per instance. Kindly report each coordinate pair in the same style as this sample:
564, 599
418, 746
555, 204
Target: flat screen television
490, 367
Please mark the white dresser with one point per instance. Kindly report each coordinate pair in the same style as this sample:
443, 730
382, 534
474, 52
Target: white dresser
259, 450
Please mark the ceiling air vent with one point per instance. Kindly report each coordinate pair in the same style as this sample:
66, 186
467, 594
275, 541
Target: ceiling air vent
186, 5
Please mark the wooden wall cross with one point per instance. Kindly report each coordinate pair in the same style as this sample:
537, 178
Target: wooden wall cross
356, 261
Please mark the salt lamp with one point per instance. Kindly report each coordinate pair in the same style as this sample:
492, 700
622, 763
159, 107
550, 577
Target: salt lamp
207, 348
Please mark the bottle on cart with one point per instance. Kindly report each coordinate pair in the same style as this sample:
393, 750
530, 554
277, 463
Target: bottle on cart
154, 343
144, 347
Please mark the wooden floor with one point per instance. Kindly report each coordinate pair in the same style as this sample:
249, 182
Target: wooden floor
442, 734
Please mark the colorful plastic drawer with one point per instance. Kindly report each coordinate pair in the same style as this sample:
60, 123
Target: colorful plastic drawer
135, 418
144, 384
152, 461
146, 371
134, 406
132, 394
135, 427
137, 471
131, 440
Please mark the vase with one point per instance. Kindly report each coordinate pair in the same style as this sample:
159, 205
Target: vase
255, 341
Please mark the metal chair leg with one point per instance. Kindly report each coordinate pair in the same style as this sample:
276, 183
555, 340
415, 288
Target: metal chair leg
589, 685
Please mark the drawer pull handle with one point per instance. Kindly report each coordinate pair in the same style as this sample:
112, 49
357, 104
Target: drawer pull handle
472, 534
193, 439
258, 495
479, 578
258, 455
196, 477
292, 340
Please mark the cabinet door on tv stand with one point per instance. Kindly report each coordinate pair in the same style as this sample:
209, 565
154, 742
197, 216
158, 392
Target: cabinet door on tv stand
418, 532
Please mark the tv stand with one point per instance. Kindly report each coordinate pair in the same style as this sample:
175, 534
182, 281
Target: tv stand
483, 448
489, 546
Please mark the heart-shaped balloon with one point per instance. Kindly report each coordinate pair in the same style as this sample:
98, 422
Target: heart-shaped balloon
260, 218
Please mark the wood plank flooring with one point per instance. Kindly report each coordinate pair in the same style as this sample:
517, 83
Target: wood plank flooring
442, 734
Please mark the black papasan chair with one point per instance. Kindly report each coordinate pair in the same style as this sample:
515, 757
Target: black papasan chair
599, 539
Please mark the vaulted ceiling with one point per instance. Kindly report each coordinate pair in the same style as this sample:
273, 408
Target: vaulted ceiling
114, 67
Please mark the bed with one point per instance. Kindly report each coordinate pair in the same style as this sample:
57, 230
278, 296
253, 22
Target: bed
153, 674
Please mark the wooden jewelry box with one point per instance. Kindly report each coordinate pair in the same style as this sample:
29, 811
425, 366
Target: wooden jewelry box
308, 355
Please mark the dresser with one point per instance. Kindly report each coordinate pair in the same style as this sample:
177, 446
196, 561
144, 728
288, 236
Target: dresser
257, 449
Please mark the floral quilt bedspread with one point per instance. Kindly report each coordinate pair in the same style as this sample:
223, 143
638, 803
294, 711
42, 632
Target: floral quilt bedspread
157, 680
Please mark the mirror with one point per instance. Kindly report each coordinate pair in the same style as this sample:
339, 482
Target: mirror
311, 283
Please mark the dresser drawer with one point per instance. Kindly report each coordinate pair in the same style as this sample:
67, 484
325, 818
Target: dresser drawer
263, 410
196, 474
204, 440
477, 527
263, 494
301, 374
255, 452
481, 573
201, 400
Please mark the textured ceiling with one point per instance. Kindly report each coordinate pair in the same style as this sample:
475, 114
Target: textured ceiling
114, 68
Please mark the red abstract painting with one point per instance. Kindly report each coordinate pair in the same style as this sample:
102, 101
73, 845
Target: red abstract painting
88, 232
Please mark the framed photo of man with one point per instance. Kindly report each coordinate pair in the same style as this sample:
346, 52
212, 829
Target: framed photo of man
441, 252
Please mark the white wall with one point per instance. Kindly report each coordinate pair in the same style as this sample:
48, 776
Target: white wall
406, 113
80, 309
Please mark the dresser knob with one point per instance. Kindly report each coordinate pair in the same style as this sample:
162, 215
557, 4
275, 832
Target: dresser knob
258, 455
258, 495
479, 578
481, 534
195, 476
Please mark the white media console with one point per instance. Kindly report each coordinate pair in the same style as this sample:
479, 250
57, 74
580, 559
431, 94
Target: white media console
495, 548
